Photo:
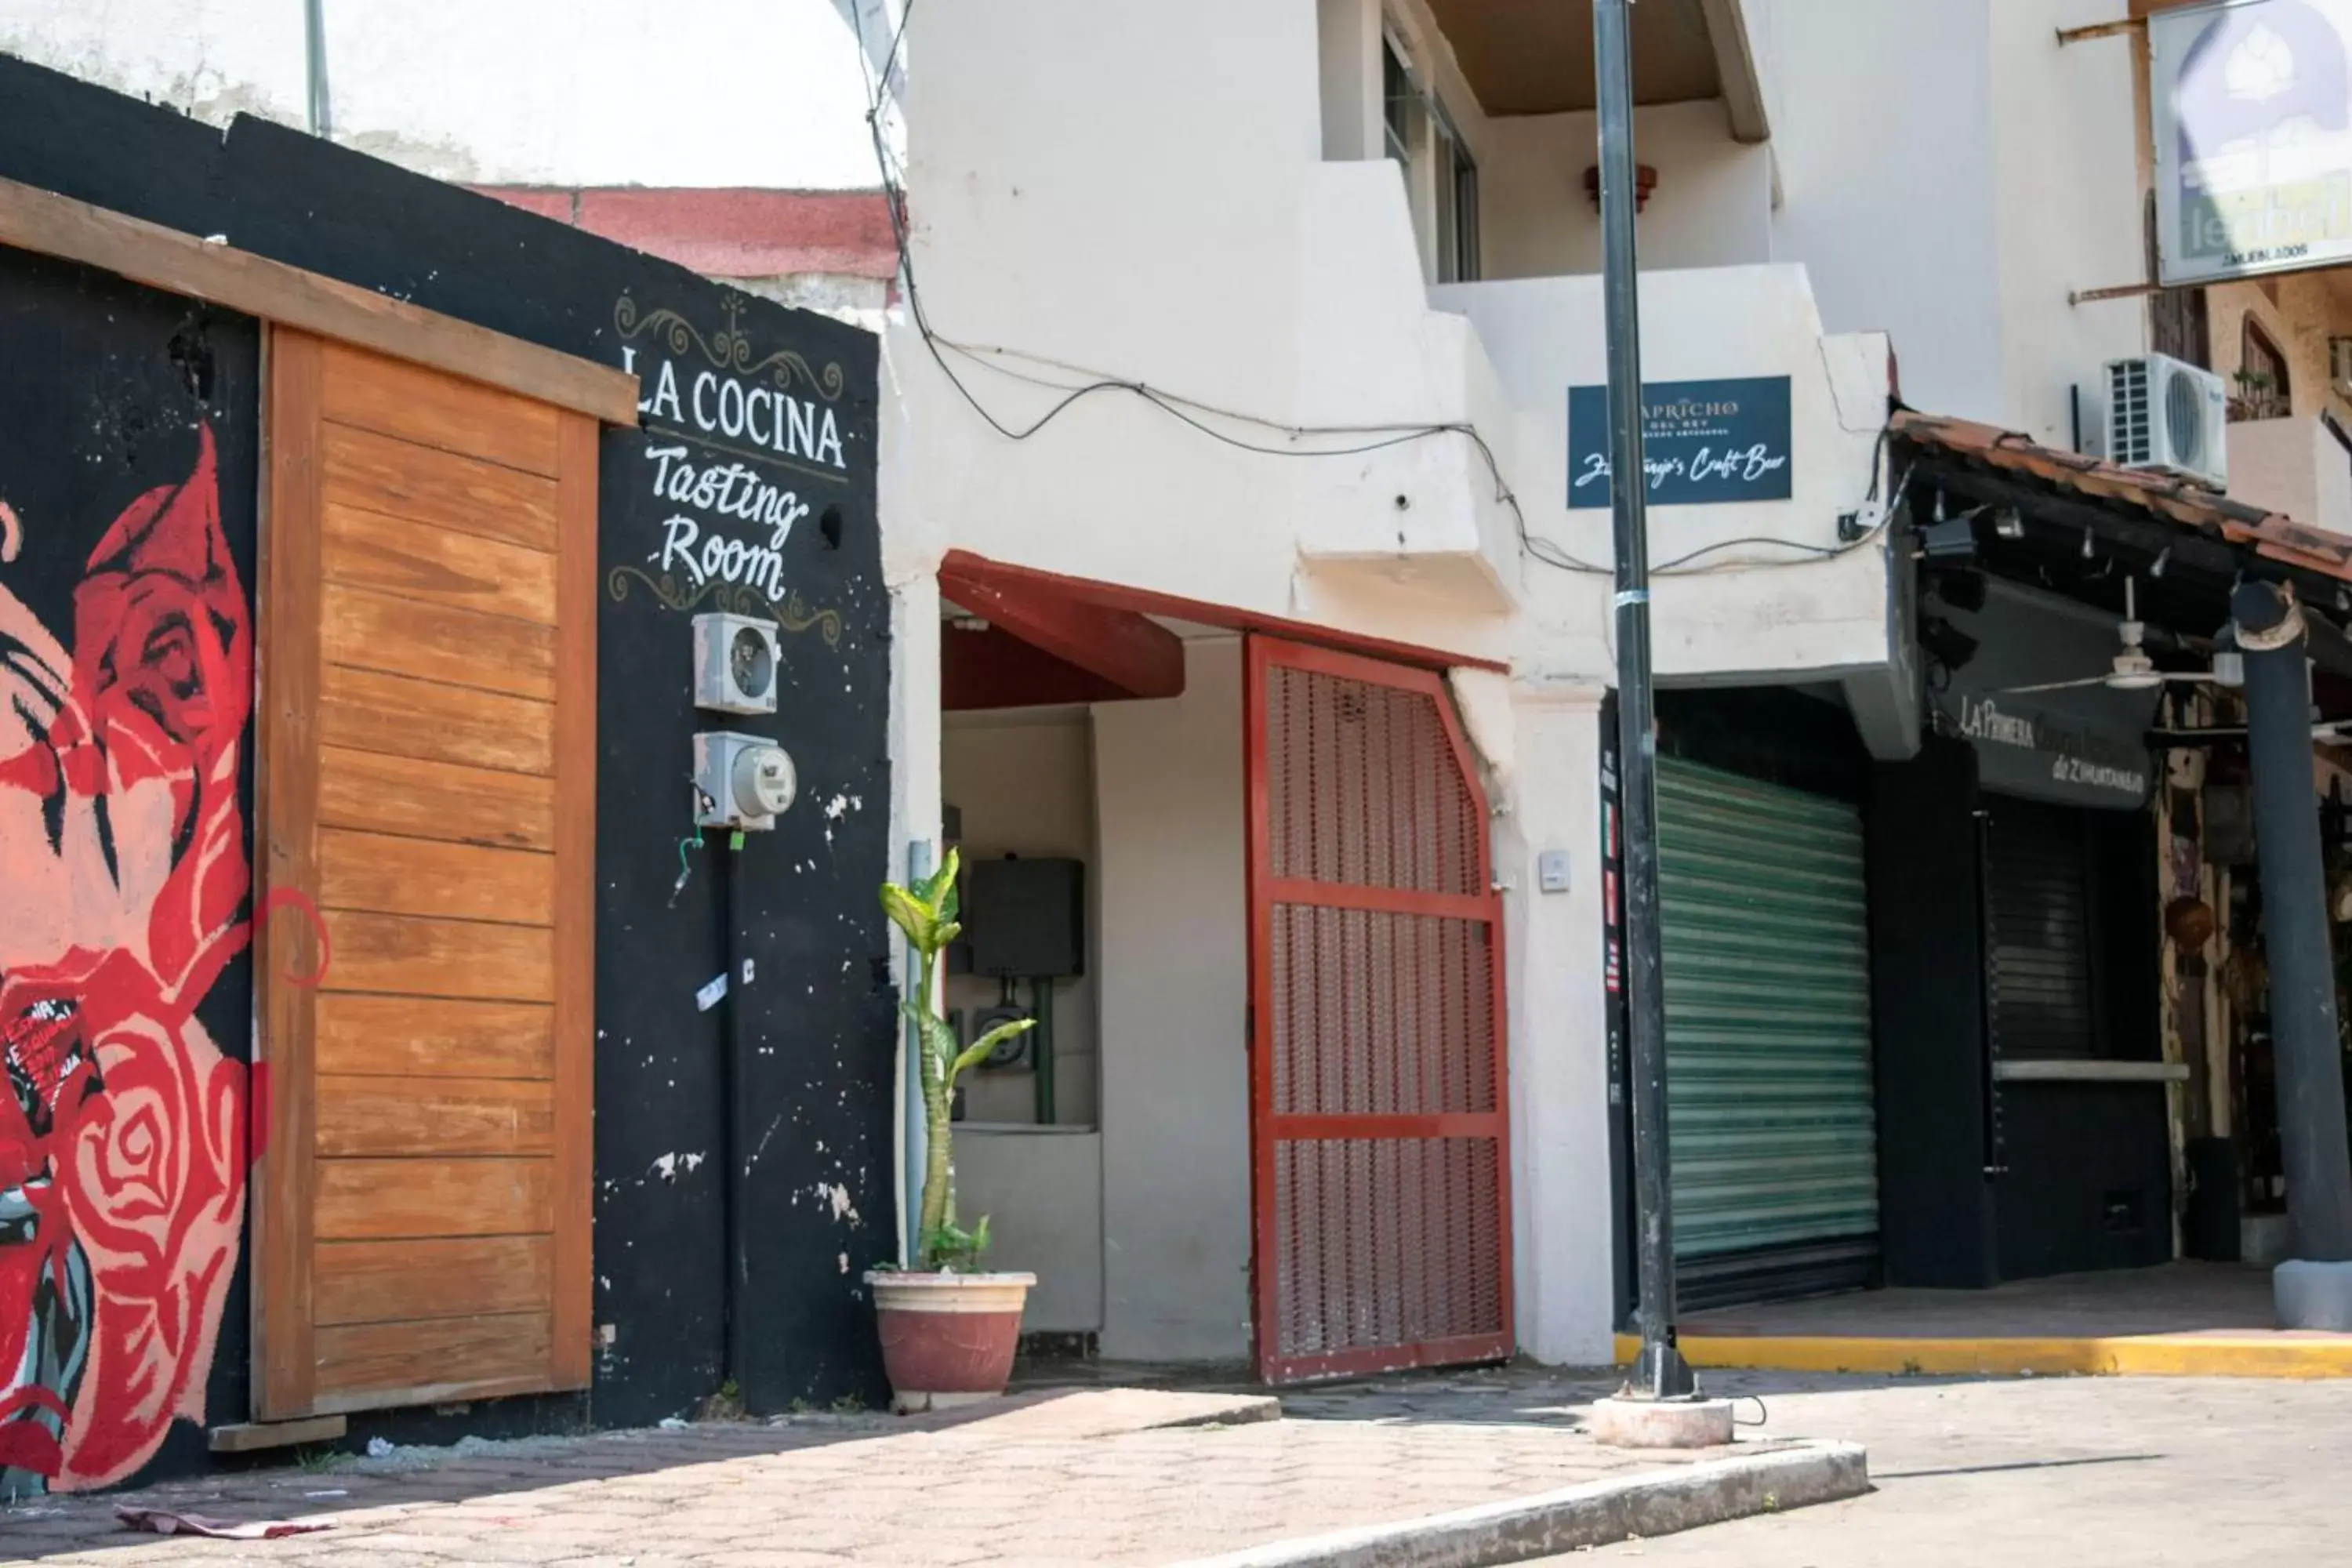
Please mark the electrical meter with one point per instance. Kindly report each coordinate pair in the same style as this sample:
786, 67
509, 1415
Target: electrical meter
741, 781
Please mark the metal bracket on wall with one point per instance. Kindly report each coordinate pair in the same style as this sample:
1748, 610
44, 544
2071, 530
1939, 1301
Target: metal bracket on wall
2102, 30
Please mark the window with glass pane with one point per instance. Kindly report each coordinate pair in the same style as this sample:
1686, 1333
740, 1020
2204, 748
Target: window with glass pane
1457, 207
2262, 386
1401, 99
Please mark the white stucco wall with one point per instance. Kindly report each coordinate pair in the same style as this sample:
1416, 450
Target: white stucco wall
1175, 965
1024, 782
1756, 608
1348, 41
1255, 278
586, 92
1259, 278
1888, 193
2067, 211
1565, 1244
1041, 1189
1712, 205
1950, 175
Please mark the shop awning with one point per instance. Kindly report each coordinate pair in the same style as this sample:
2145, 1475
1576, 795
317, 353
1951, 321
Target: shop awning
2195, 540
2186, 506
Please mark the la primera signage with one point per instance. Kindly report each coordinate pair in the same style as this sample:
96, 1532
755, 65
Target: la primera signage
2252, 117
2046, 754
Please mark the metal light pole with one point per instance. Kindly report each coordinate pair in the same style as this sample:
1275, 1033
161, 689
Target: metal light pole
2315, 1289
1662, 1373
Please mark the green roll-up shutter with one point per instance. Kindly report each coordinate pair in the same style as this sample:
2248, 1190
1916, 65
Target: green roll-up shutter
1768, 1037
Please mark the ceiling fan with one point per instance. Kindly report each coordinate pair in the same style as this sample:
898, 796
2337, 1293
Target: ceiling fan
2132, 669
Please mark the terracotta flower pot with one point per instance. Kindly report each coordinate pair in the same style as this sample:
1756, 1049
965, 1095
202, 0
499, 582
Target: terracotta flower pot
948, 1339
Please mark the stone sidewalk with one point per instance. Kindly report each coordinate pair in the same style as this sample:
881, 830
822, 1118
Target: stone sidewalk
2097, 1472
1049, 1479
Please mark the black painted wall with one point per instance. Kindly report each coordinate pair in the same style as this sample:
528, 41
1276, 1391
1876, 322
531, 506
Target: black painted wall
743, 1152
805, 1052
2089, 1181
1769, 733
2080, 1173
2088, 1167
1927, 1019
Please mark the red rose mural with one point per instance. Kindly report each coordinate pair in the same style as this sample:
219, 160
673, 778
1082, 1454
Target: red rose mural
123, 1126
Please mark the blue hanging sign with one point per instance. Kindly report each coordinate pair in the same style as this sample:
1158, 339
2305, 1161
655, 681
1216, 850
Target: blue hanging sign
1703, 442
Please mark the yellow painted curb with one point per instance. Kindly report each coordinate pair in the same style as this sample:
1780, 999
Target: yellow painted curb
2138, 1355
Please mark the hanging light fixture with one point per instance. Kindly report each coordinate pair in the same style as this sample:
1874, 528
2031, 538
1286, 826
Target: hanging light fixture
2229, 664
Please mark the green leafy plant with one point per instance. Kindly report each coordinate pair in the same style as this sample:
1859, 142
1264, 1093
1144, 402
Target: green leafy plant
926, 912
954, 1249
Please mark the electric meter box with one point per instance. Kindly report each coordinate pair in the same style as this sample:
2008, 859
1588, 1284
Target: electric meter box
1026, 919
735, 664
741, 781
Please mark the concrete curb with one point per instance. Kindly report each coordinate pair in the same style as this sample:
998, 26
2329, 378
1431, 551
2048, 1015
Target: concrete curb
2270, 1354
1655, 1502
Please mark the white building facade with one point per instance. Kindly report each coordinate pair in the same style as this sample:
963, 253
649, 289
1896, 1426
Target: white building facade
1248, 324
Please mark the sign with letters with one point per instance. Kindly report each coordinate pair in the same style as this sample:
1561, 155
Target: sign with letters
746, 448
2029, 749
2251, 108
2082, 744
1703, 442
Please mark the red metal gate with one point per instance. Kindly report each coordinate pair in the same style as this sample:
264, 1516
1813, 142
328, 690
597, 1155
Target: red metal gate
1381, 1167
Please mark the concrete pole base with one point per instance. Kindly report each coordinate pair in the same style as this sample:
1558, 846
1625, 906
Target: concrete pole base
1661, 1423
2313, 1295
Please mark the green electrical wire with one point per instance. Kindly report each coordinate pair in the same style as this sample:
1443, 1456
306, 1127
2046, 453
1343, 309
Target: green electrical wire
685, 867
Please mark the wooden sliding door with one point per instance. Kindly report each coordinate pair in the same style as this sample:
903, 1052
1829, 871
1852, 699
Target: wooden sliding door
427, 804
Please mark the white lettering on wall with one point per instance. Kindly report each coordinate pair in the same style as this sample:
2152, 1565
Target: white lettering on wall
663, 405
728, 491
1742, 465
721, 406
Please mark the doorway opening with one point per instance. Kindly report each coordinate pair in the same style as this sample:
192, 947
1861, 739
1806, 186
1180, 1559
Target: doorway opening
1266, 1124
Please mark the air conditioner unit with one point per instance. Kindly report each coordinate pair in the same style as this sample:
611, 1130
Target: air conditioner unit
2339, 366
2165, 414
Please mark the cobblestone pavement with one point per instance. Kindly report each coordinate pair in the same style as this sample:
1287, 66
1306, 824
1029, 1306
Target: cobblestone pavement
2081, 1472
1058, 1478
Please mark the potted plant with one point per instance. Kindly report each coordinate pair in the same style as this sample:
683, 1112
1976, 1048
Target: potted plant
2256, 397
949, 1328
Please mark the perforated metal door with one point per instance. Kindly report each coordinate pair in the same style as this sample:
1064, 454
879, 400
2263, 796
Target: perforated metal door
1382, 1176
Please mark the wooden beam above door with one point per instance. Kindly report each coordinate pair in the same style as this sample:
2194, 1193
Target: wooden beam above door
38, 220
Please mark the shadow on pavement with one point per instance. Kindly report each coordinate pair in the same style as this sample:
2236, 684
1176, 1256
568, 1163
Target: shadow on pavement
2019, 1465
